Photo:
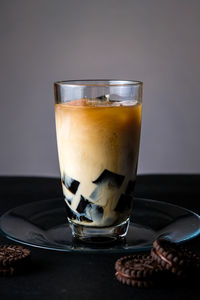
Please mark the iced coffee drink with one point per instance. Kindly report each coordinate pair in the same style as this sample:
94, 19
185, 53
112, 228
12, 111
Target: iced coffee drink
98, 144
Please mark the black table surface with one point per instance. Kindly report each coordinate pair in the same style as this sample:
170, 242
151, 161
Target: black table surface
63, 275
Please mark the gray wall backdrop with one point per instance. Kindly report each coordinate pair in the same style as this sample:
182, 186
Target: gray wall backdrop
156, 41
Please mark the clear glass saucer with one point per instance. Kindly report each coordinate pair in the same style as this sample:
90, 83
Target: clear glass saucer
43, 224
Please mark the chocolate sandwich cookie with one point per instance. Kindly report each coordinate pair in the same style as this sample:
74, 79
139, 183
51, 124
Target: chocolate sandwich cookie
175, 258
12, 256
137, 270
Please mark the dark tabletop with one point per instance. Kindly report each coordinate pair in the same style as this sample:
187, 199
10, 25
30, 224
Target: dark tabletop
62, 275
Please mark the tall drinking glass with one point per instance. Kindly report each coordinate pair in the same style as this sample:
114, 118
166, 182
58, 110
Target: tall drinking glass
98, 126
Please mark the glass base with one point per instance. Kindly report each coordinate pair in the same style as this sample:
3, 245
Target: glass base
43, 224
98, 235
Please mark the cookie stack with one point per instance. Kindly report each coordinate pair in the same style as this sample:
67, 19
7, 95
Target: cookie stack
167, 260
13, 258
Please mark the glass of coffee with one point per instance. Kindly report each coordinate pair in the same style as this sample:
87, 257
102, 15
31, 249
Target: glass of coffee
98, 126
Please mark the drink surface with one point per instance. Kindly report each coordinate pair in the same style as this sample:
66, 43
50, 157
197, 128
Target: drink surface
98, 144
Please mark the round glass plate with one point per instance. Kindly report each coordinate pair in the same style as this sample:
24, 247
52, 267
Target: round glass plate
43, 224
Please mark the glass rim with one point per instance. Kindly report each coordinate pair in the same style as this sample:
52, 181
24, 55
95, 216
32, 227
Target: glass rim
98, 83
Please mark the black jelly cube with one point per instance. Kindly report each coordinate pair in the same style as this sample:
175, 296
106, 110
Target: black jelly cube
75, 216
70, 213
84, 219
130, 187
82, 204
108, 176
89, 210
70, 183
124, 203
